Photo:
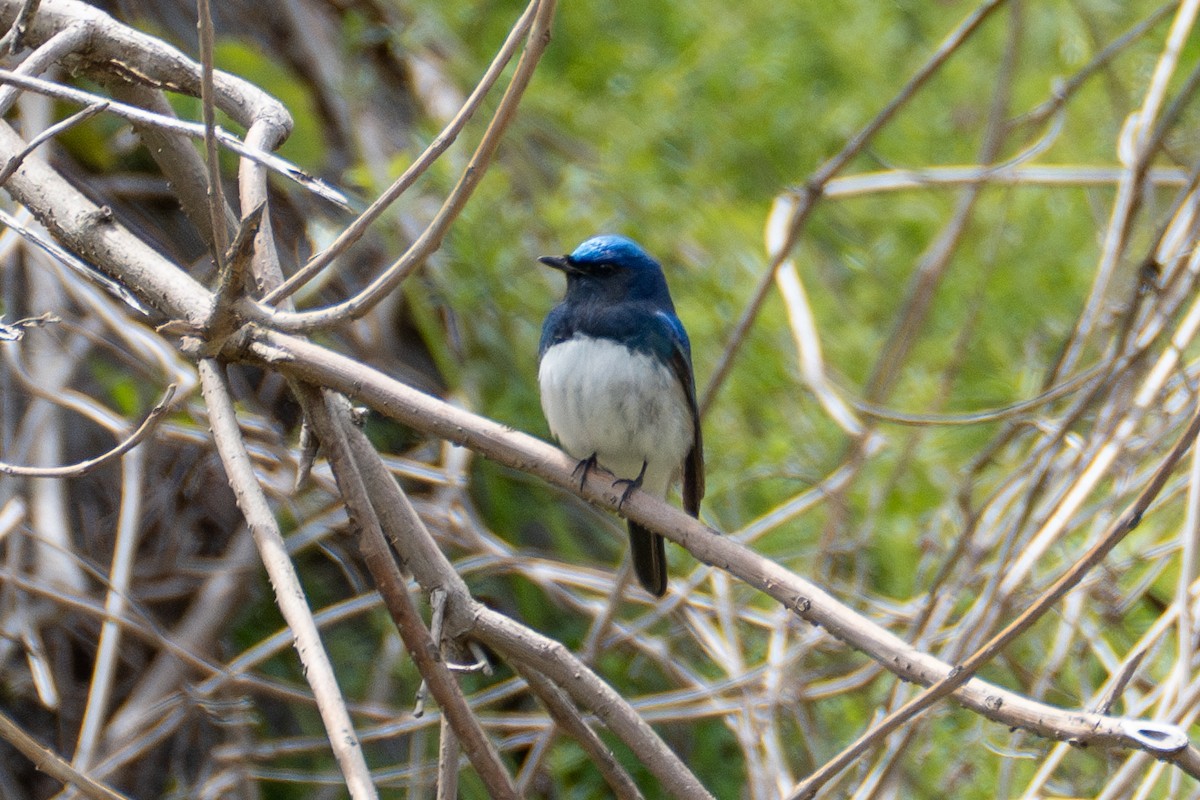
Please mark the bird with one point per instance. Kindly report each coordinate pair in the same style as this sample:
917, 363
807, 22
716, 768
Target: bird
616, 383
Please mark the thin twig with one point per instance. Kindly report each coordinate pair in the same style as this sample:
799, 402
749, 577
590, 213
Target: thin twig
416, 169
128, 529
195, 130
566, 716
235, 265
14, 38
216, 194
1068, 88
447, 762
431, 238
175, 154
14, 162
1137, 143
69, 259
808, 195
525, 648
963, 672
51, 763
84, 467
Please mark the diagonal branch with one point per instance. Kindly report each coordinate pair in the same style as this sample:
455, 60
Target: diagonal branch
327, 412
467, 618
289, 594
1170, 741
304, 361
431, 238
52, 763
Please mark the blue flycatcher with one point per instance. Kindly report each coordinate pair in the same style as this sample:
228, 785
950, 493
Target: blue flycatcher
616, 383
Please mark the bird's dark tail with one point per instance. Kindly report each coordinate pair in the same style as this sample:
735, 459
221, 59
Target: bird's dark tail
649, 559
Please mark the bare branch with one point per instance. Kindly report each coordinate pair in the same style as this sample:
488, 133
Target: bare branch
288, 592
52, 763
329, 416
304, 361
431, 239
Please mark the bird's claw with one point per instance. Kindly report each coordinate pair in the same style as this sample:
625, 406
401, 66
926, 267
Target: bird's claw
631, 484
582, 469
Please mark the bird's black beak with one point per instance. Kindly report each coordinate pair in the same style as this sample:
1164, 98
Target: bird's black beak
562, 263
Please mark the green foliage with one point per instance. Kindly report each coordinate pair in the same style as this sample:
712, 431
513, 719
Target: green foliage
304, 146
677, 124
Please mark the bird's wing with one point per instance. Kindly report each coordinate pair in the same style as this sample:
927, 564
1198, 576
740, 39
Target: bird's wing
681, 364
664, 336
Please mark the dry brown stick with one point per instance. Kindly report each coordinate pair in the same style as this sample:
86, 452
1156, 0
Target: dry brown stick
527, 649
14, 38
51, 763
81, 226
114, 48
328, 413
289, 594
104, 668
466, 618
566, 716
216, 194
78, 118
255, 148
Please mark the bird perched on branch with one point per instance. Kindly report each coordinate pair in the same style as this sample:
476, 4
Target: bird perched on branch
616, 383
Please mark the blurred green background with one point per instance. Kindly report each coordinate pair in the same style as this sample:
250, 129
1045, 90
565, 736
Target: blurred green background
678, 124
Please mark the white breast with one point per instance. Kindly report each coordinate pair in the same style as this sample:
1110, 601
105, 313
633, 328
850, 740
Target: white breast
601, 397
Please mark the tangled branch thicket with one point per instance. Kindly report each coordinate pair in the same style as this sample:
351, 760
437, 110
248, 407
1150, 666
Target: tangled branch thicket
1049, 645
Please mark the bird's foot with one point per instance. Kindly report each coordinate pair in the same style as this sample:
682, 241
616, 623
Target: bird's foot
583, 468
630, 485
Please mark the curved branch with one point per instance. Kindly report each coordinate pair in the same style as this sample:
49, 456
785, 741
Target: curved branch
119, 50
83, 467
431, 238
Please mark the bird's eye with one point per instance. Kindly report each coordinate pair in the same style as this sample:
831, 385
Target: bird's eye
605, 269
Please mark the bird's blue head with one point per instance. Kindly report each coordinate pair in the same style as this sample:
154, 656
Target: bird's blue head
611, 268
